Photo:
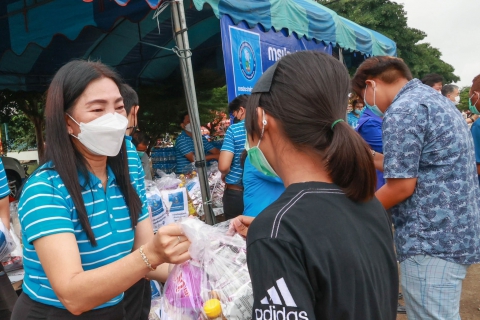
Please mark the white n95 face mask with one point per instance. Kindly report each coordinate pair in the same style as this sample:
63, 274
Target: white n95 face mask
457, 100
103, 136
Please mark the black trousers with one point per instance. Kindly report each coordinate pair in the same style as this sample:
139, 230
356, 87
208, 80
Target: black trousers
137, 301
232, 203
8, 297
27, 309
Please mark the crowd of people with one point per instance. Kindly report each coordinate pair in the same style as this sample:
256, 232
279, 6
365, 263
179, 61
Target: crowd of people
314, 191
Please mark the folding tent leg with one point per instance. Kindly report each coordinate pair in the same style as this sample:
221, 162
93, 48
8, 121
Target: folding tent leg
180, 28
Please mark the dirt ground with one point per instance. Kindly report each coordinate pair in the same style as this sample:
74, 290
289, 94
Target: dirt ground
470, 302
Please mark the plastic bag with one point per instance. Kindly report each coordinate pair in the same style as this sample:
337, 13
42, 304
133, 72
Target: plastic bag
167, 181
218, 269
195, 194
217, 186
7, 243
156, 206
216, 191
156, 304
14, 260
15, 222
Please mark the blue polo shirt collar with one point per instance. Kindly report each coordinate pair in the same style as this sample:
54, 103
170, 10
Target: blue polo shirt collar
95, 181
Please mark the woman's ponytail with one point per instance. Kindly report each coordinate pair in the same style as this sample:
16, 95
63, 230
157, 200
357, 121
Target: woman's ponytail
308, 97
350, 163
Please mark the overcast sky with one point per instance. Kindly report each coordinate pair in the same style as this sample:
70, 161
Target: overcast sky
453, 27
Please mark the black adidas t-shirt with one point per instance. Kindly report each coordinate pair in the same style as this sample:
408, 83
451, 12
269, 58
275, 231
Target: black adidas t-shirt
315, 254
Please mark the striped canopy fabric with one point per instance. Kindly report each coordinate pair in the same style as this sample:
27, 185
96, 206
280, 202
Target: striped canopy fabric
306, 18
38, 39
39, 36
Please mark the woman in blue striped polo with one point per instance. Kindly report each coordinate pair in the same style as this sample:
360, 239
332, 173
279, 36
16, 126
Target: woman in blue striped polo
86, 232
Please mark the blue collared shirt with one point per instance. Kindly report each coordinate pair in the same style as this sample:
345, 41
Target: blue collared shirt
183, 146
234, 142
260, 190
4, 189
426, 137
352, 120
370, 129
475, 130
46, 208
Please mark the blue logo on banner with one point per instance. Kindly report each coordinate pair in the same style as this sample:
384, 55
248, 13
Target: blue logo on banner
246, 59
249, 52
248, 63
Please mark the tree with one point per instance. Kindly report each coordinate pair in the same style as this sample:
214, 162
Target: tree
390, 19
32, 104
21, 133
464, 96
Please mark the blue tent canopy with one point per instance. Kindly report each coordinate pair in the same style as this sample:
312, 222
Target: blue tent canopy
39, 36
306, 18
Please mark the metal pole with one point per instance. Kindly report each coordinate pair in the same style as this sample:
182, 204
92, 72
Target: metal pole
340, 56
181, 36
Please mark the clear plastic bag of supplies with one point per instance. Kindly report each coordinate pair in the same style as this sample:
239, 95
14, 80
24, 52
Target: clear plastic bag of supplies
14, 259
217, 186
156, 304
167, 181
7, 242
217, 270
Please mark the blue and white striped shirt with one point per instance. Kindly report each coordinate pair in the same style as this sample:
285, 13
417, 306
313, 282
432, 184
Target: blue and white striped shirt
4, 189
183, 146
234, 142
46, 208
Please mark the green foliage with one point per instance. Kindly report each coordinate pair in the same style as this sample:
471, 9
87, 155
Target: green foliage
21, 133
211, 101
464, 95
15, 108
390, 19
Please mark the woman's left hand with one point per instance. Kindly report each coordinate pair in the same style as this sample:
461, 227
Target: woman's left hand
169, 245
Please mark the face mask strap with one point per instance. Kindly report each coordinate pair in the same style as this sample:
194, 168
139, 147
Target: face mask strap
474, 104
73, 119
74, 136
76, 123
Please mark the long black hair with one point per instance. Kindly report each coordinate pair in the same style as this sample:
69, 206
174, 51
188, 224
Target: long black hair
309, 92
67, 85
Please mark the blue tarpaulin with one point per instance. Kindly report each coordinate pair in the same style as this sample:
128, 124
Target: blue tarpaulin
39, 36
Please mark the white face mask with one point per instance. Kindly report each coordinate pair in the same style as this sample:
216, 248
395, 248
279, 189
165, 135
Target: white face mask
103, 136
457, 100
188, 127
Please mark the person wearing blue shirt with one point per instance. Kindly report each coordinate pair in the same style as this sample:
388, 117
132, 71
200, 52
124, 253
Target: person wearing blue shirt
355, 114
185, 149
260, 190
137, 299
86, 232
229, 160
431, 185
370, 129
8, 297
474, 102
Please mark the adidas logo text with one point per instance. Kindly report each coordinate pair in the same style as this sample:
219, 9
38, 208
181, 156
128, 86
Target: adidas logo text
278, 304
